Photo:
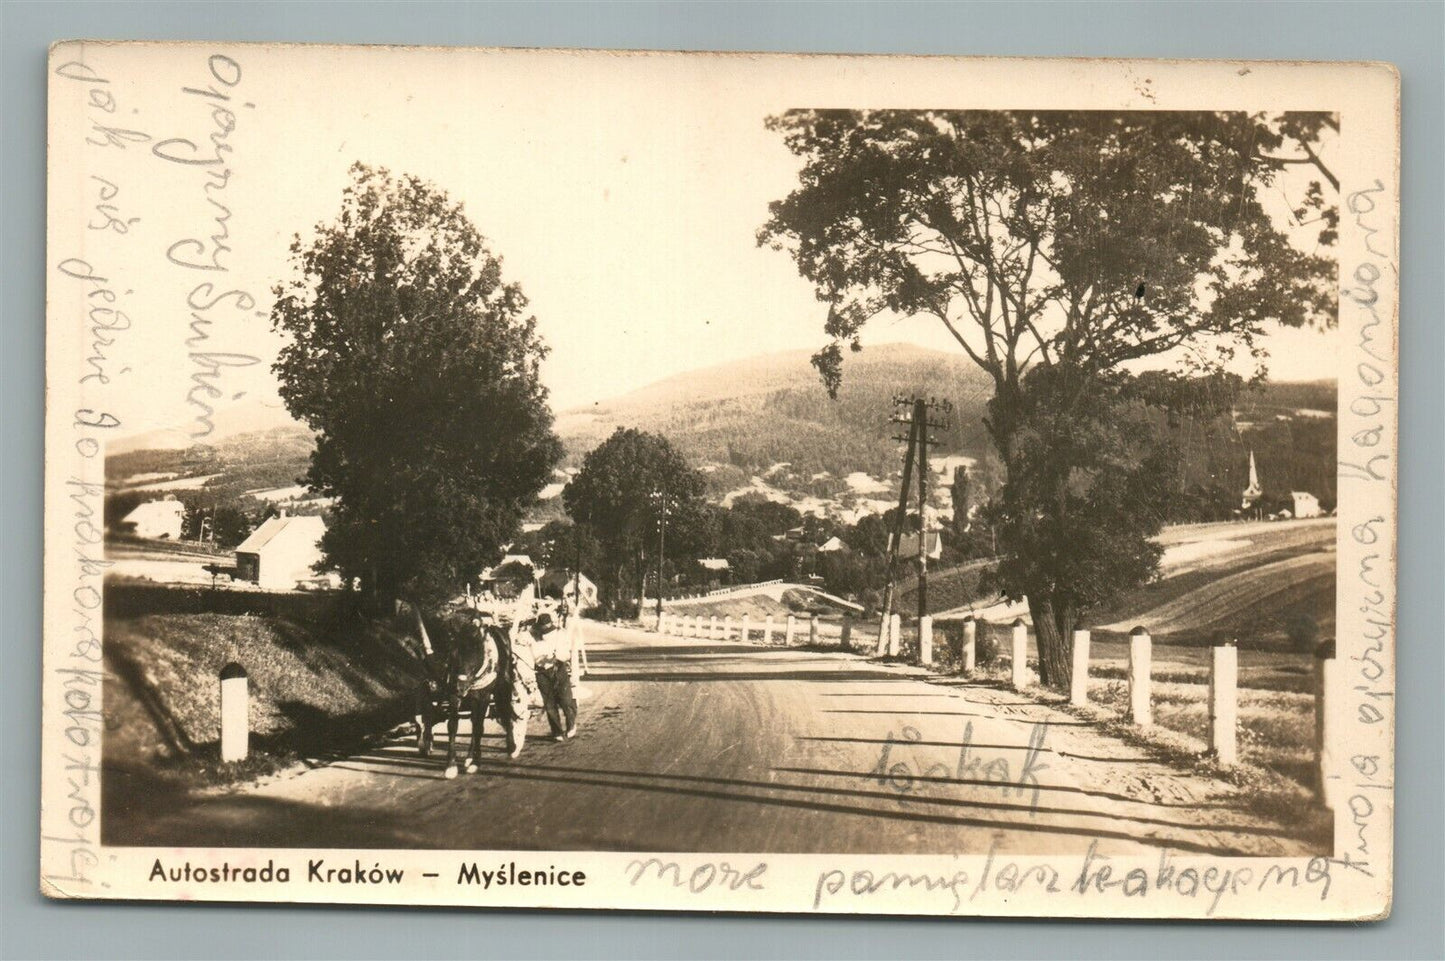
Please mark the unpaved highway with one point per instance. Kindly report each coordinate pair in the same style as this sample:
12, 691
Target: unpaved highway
699, 745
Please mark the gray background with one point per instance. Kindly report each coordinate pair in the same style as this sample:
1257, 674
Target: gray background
1410, 35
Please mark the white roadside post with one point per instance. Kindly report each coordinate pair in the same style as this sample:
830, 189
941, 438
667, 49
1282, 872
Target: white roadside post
813, 630
1019, 665
1141, 705
970, 644
662, 622
925, 641
727, 627
845, 636
235, 713
747, 629
1327, 782
692, 627
1079, 671
791, 629
1224, 703
713, 627
895, 634
768, 630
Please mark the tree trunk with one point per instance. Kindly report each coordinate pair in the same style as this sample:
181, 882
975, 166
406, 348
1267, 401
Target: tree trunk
641, 583
1054, 631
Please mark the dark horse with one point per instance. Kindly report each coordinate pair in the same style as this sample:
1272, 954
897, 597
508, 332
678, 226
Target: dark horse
463, 679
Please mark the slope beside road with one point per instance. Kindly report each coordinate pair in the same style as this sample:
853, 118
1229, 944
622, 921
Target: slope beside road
697, 745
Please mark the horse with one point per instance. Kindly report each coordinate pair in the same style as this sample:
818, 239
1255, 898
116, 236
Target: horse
463, 678
474, 670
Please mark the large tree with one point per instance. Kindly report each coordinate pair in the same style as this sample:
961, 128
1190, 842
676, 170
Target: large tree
612, 496
417, 366
1061, 250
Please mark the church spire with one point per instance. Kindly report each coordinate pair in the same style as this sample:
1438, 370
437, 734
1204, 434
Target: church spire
1253, 492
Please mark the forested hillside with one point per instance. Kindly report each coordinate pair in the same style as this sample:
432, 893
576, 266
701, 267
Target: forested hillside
752, 414
765, 410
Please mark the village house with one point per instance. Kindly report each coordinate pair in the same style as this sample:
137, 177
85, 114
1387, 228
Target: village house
159, 519
1305, 504
576, 588
908, 546
717, 568
281, 553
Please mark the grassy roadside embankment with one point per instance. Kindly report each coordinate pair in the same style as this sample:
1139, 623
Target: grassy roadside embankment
320, 679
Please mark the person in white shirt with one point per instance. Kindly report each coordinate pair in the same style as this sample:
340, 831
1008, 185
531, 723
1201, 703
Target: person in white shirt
551, 655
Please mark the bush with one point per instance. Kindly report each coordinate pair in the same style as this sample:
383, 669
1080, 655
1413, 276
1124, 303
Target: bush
985, 645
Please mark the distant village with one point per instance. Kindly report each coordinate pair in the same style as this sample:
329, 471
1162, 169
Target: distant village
284, 551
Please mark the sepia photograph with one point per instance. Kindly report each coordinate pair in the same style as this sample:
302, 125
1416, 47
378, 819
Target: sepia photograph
740, 482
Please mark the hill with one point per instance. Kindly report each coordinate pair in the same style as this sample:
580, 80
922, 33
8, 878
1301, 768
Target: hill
771, 409
744, 418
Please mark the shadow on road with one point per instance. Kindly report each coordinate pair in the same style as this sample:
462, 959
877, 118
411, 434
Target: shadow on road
974, 744
992, 717
695, 676
811, 798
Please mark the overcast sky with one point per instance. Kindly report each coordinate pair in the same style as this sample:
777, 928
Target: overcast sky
624, 202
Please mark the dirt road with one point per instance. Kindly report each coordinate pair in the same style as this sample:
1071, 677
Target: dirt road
695, 745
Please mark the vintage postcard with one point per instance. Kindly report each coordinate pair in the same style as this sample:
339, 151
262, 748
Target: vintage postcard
722, 482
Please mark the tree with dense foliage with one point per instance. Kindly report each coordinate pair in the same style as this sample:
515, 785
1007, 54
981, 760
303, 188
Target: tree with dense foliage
1060, 250
610, 497
417, 367
560, 545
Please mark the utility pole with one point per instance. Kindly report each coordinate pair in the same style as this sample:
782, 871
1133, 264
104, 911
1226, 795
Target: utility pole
661, 503
920, 415
895, 536
923, 412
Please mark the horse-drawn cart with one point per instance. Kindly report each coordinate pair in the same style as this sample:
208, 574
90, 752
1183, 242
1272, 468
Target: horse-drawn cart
476, 677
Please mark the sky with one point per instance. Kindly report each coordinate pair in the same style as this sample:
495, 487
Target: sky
625, 203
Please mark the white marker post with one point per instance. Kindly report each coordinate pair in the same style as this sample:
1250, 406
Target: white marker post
235, 713
1326, 782
1079, 671
727, 628
813, 630
768, 630
1224, 703
713, 627
1141, 705
970, 644
846, 634
1019, 667
895, 634
790, 631
747, 629
925, 641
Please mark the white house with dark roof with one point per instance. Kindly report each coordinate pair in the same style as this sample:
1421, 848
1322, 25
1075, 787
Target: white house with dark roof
281, 552
908, 545
159, 519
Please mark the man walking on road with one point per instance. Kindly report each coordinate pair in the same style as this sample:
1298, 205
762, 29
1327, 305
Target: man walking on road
554, 678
